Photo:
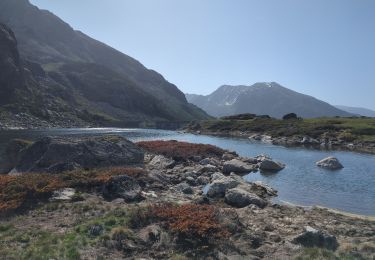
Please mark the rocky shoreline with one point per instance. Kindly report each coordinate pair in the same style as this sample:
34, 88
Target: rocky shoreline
294, 141
166, 200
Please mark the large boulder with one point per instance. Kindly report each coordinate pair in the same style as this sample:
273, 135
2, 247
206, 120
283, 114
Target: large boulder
269, 165
240, 198
220, 185
331, 163
122, 186
237, 166
315, 238
67, 153
12, 153
161, 162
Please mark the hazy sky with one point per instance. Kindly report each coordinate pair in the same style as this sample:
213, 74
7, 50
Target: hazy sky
318, 47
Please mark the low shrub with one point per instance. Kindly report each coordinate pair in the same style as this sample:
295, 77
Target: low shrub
181, 151
21, 191
199, 223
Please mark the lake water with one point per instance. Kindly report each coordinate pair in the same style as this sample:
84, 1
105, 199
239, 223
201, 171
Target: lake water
351, 189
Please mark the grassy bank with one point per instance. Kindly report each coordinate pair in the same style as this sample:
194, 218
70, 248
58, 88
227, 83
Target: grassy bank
345, 129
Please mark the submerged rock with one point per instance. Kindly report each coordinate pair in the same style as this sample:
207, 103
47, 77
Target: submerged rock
331, 163
66, 153
315, 238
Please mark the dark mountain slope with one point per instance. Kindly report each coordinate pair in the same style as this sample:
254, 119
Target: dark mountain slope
87, 77
262, 99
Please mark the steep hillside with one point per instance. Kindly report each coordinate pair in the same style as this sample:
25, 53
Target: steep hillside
262, 99
95, 83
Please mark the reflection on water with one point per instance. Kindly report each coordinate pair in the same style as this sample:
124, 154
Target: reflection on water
350, 189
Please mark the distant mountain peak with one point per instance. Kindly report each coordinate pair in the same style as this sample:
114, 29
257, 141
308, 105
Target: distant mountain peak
262, 98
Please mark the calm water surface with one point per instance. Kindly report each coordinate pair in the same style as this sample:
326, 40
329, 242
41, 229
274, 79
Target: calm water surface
351, 189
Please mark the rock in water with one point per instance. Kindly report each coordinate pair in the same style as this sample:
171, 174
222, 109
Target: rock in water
67, 153
315, 238
237, 166
269, 165
124, 187
331, 163
240, 198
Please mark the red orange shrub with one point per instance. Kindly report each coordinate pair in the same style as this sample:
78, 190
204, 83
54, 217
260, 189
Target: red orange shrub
17, 191
181, 150
191, 221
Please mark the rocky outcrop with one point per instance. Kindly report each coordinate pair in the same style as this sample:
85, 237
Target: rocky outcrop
240, 198
330, 163
68, 153
315, 238
124, 187
220, 185
161, 162
11, 154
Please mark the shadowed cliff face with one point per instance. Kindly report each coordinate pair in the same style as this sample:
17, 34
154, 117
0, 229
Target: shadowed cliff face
11, 72
84, 79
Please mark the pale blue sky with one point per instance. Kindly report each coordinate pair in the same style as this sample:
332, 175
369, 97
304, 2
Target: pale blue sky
322, 48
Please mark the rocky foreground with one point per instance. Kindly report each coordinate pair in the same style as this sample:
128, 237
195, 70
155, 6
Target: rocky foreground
107, 198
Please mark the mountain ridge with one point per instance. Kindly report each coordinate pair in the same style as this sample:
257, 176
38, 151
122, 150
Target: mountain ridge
262, 98
125, 91
357, 110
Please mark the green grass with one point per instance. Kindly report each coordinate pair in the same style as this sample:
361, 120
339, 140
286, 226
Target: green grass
16, 243
348, 129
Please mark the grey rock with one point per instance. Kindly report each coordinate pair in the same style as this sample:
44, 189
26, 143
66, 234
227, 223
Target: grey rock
162, 162
203, 180
315, 238
306, 140
262, 189
124, 187
210, 161
12, 154
150, 234
331, 163
63, 194
63, 153
207, 168
237, 166
219, 186
228, 156
184, 188
269, 165
96, 230
240, 198
250, 160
